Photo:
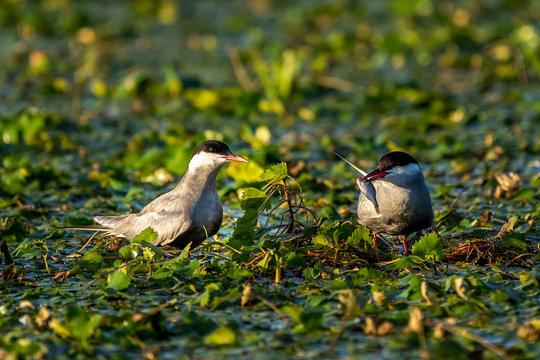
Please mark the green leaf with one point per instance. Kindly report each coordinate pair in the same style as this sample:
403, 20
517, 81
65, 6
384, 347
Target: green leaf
205, 298
239, 272
118, 280
266, 261
252, 198
222, 336
148, 235
330, 212
275, 173
129, 251
81, 324
515, 241
91, 261
195, 324
29, 248
312, 319
306, 319
413, 292
428, 247
361, 239
151, 251
294, 260
407, 262
163, 273
359, 277
321, 241
528, 280
314, 272
244, 229
293, 311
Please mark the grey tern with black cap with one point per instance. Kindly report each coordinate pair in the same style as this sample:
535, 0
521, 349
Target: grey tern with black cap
394, 198
188, 214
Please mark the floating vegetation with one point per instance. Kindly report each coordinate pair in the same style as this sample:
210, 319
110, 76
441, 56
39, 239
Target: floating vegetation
103, 104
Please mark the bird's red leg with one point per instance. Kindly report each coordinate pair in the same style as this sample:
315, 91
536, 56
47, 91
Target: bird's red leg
404, 239
375, 245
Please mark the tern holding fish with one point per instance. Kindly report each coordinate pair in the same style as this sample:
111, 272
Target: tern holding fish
394, 198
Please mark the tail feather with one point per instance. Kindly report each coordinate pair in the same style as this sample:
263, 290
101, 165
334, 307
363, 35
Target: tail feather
87, 227
109, 221
104, 223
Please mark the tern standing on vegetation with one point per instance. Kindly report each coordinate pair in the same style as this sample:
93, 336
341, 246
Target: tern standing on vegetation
394, 198
190, 213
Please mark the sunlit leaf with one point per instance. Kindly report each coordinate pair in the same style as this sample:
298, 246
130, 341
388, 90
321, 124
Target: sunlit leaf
118, 280
222, 336
428, 247
361, 239
275, 173
91, 261
148, 235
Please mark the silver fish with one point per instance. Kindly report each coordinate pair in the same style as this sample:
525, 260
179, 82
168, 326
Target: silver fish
368, 190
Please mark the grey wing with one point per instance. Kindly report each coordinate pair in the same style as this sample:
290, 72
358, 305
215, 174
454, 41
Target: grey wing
168, 225
165, 215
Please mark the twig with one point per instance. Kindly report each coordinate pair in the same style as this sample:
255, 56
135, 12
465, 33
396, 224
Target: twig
88, 242
4, 249
517, 257
64, 275
273, 307
290, 228
209, 243
271, 183
149, 273
109, 272
338, 84
55, 258
302, 206
268, 196
258, 257
338, 333
239, 69
390, 244
272, 211
117, 258
219, 255
451, 208
46, 263
479, 339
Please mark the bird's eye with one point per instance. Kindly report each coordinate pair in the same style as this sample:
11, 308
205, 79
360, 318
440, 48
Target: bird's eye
212, 150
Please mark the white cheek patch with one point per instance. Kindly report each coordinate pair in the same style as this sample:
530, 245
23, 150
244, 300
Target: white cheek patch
204, 159
409, 169
402, 174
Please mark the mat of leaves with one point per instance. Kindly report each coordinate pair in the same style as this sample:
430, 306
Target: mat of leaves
102, 105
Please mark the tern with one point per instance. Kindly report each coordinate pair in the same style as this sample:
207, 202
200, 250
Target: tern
188, 214
394, 198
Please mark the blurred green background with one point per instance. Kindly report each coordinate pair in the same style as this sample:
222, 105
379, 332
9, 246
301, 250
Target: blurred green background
102, 103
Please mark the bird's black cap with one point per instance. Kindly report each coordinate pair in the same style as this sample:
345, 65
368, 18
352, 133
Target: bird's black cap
395, 158
213, 146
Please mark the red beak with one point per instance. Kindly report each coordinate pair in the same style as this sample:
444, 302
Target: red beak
234, 157
375, 174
